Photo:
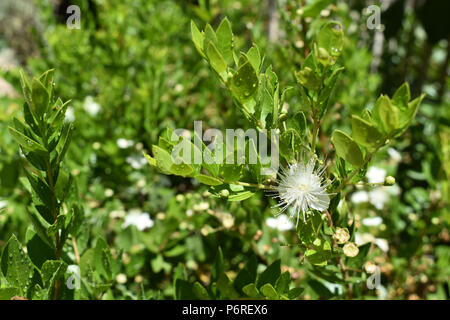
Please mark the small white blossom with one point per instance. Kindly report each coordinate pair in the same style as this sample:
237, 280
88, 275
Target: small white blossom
376, 175
141, 220
378, 198
302, 188
124, 143
281, 223
70, 115
136, 161
360, 197
91, 107
382, 244
395, 155
372, 222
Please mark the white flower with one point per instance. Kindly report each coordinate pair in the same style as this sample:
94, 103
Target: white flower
372, 222
70, 115
376, 175
382, 244
280, 223
3, 203
91, 106
137, 162
124, 143
141, 220
395, 155
378, 197
360, 197
302, 188
361, 239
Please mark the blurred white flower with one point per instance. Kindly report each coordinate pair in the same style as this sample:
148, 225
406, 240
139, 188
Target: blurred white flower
90, 106
363, 238
202, 206
376, 175
137, 162
378, 197
70, 115
3, 203
124, 143
372, 222
382, 244
281, 223
359, 197
141, 220
395, 155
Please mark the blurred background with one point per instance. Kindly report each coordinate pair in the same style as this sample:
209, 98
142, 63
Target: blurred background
131, 71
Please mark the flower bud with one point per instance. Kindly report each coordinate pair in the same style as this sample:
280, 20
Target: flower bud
341, 235
224, 193
389, 181
351, 249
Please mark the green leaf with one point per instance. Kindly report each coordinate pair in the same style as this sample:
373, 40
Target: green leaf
407, 116
313, 9
26, 142
225, 41
198, 38
208, 180
40, 98
52, 271
298, 123
39, 227
254, 57
347, 149
385, 115
231, 172
64, 141
270, 275
216, 60
290, 143
241, 196
365, 133
163, 159
181, 169
269, 291
151, 161
210, 36
226, 288
294, 293
251, 290
218, 267
26, 87
331, 37
8, 293
38, 250
183, 290
282, 284
16, 266
308, 78
244, 83
402, 96
200, 291
320, 253
307, 232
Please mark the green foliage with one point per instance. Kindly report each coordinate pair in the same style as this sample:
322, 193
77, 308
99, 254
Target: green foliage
124, 230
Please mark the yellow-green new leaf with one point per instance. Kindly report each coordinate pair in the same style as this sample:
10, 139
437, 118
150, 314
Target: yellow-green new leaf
208, 180
365, 133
